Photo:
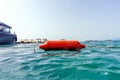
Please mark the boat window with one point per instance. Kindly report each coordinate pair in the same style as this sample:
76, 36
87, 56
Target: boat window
6, 30
1, 28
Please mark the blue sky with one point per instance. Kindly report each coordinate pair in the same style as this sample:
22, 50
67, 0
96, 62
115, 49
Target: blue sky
62, 19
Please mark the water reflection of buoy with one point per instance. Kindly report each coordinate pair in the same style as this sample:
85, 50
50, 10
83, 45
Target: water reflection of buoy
62, 45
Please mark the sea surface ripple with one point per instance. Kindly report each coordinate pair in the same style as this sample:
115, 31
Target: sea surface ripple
100, 60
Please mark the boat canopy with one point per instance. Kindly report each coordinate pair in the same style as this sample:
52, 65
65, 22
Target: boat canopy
4, 26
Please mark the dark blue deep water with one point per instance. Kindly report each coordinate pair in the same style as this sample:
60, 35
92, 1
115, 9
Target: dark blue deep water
100, 60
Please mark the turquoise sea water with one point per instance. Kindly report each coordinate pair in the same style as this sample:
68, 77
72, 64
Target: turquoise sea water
100, 60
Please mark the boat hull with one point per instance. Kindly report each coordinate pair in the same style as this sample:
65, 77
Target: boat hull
7, 38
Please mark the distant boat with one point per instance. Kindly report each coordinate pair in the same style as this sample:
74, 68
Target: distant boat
6, 37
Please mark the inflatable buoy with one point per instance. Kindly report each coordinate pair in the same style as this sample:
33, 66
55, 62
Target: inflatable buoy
62, 45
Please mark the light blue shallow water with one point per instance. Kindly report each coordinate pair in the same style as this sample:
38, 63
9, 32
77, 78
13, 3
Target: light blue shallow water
100, 60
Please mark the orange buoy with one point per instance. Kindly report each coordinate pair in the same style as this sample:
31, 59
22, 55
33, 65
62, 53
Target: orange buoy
62, 45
